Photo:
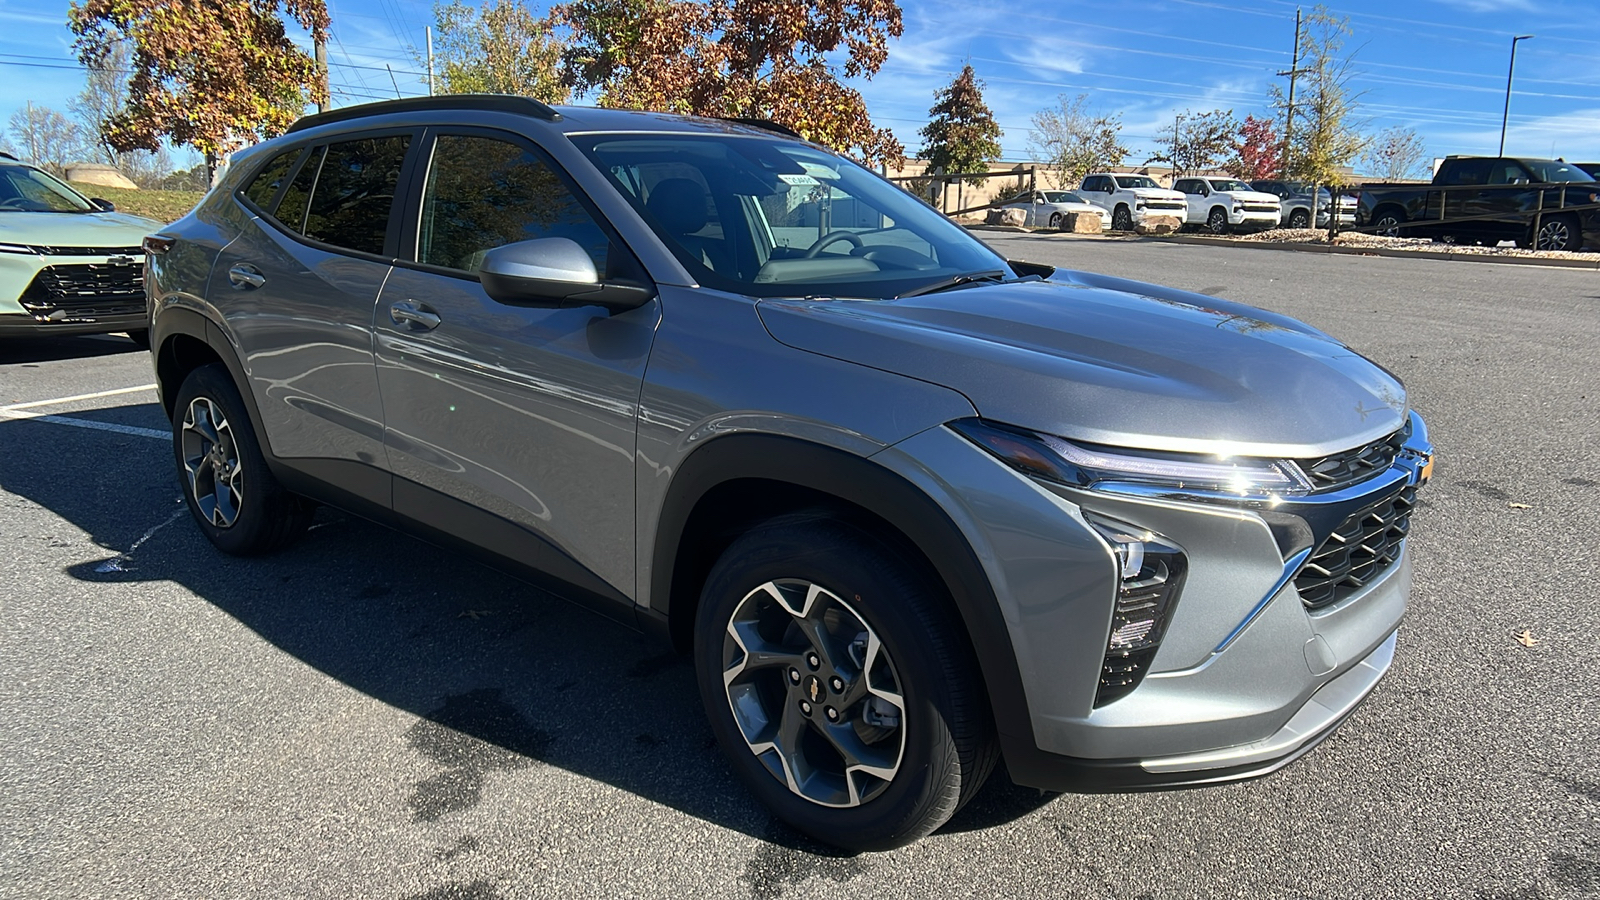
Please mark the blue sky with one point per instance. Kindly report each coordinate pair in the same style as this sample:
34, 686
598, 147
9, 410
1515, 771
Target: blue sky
1438, 66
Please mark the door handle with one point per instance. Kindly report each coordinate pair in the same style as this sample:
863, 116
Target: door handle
412, 314
246, 277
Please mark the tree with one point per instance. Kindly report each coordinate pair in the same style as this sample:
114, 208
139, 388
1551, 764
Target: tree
1255, 151
772, 59
46, 137
212, 74
1324, 134
1197, 142
105, 93
961, 135
501, 48
1073, 142
1396, 154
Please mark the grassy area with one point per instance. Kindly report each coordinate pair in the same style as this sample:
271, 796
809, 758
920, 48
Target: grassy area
163, 206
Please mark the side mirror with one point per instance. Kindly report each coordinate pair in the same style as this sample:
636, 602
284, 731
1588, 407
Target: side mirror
1039, 200
103, 205
553, 272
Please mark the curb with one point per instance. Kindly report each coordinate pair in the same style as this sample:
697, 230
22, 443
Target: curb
1296, 247
1380, 251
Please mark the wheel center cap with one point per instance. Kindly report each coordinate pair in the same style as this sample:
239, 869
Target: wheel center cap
813, 688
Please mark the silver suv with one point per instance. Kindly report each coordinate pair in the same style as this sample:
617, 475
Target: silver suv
911, 507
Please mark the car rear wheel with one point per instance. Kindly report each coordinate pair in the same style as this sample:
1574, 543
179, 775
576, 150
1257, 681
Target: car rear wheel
1299, 218
1217, 221
839, 685
235, 500
1558, 233
1121, 219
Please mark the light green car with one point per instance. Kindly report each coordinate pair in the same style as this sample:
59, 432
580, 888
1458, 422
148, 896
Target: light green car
68, 264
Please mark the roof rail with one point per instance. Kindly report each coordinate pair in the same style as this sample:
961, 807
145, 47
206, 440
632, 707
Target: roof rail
765, 125
487, 102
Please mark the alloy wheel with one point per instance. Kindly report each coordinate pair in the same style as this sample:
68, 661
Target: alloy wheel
1217, 222
1299, 219
1555, 234
814, 693
211, 462
1388, 225
1055, 220
1122, 220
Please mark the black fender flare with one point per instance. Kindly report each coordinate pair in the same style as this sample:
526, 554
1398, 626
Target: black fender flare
178, 320
863, 483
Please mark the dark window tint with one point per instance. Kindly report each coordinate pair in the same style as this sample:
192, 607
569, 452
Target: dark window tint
483, 193
1469, 171
355, 192
291, 209
264, 187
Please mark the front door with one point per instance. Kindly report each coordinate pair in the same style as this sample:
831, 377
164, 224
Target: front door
512, 427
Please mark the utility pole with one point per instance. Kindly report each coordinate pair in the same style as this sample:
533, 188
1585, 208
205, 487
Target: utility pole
33, 136
320, 51
429, 30
1506, 115
1293, 74
1176, 120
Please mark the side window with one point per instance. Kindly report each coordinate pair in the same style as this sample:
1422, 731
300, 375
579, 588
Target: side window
291, 211
1508, 172
355, 192
1472, 171
264, 187
483, 193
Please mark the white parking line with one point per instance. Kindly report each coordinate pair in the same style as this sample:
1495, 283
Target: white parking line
86, 423
77, 397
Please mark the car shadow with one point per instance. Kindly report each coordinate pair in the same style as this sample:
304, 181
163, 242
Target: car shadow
500, 675
23, 350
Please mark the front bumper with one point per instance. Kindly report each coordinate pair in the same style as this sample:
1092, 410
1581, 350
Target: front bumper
1140, 213
72, 293
1247, 676
1254, 218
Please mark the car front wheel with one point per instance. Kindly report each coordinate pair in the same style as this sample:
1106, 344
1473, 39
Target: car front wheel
1299, 219
1122, 219
1217, 222
838, 684
235, 500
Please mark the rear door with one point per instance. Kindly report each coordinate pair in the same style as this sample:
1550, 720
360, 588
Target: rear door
511, 427
296, 290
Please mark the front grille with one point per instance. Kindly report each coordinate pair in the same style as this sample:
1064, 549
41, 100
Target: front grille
1163, 204
84, 293
1358, 551
1260, 207
1348, 467
135, 252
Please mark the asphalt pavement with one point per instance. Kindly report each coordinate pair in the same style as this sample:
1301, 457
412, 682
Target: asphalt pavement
363, 715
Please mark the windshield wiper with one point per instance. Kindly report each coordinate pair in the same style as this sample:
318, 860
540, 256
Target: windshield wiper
954, 281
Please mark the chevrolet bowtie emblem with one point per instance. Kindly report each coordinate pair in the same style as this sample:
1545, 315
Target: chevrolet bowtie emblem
814, 689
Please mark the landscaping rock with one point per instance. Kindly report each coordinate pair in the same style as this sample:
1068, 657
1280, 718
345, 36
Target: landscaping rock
1159, 225
1082, 223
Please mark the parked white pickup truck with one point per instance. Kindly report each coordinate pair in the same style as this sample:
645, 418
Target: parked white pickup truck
1130, 198
1220, 205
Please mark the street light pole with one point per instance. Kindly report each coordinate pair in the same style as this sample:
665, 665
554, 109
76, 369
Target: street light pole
1510, 70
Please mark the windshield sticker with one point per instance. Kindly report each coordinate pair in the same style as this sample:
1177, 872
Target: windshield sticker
797, 180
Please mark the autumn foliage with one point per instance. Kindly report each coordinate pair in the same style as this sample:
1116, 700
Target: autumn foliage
213, 74
1256, 153
961, 135
772, 59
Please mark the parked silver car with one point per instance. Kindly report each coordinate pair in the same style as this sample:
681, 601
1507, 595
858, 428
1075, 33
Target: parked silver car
1049, 209
911, 507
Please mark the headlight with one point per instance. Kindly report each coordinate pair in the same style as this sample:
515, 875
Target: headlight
17, 248
1084, 465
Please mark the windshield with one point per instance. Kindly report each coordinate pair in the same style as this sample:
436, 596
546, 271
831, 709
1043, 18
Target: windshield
775, 218
24, 189
1228, 184
1548, 170
1062, 197
1135, 181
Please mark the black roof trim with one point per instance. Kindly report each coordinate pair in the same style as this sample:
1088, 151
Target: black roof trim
765, 125
5, 155
510, 103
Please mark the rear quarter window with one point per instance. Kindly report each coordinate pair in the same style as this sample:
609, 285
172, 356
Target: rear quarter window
263, 189
355, 192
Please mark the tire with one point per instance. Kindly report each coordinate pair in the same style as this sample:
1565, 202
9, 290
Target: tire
1055, 221
1386, 222
1217, 221
140, 337
814, 597
1299, 218
1558, 233
1121, 219
234, 498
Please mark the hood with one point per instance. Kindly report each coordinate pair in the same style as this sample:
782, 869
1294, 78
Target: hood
1110, 361
106, 229
1156, 193
1253, 196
